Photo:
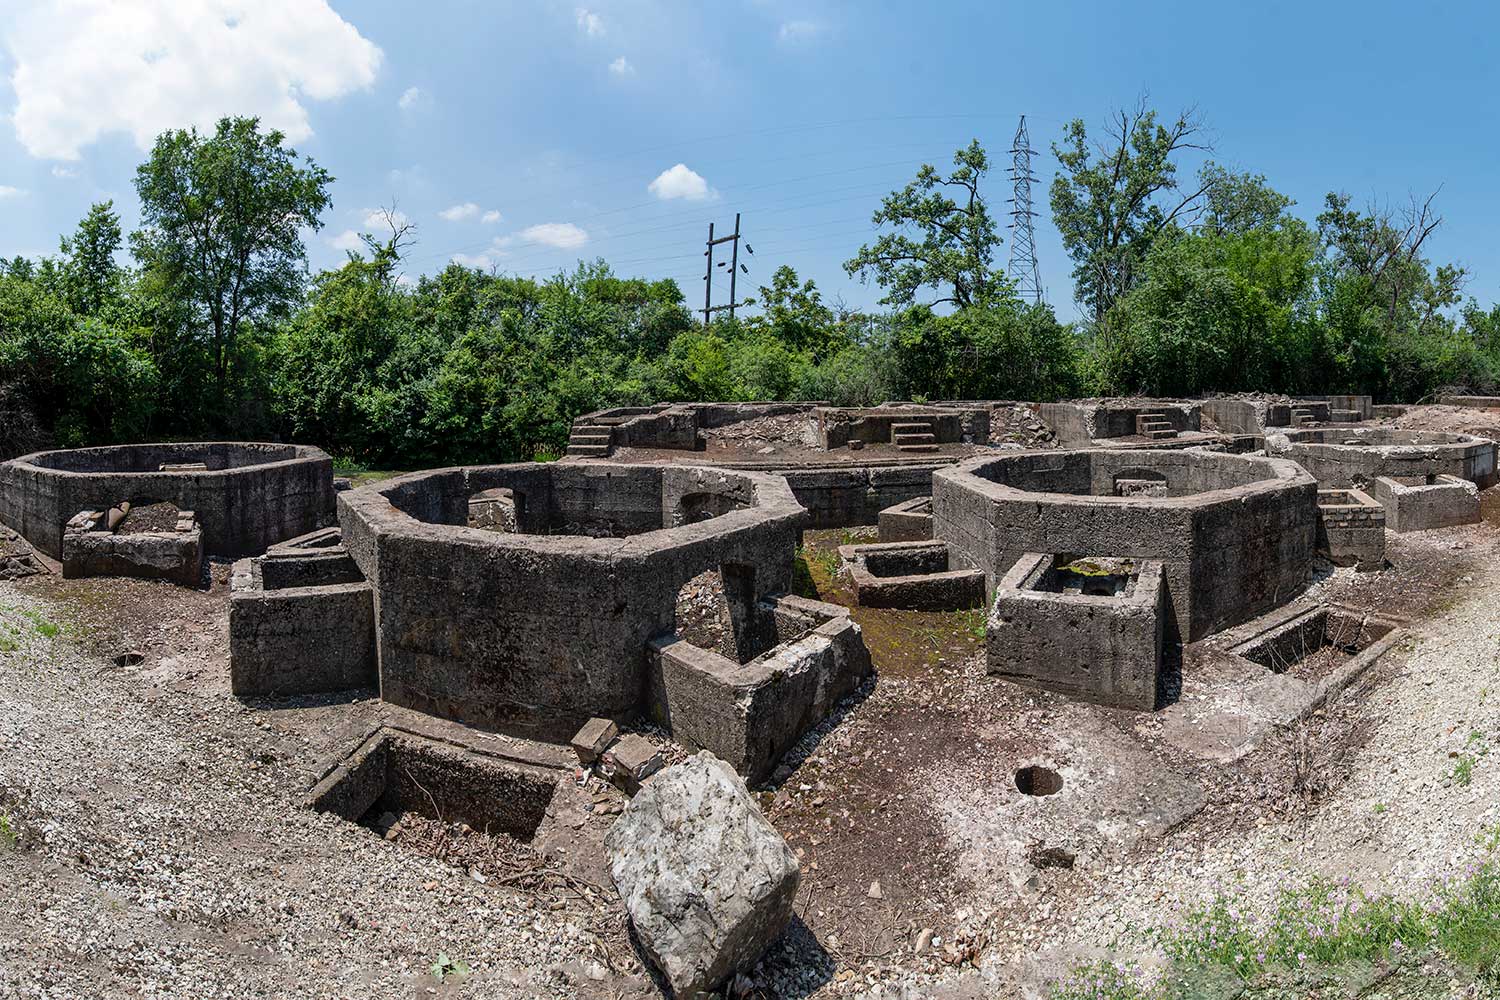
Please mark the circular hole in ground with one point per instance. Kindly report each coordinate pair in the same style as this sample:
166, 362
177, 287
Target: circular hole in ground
1037, 780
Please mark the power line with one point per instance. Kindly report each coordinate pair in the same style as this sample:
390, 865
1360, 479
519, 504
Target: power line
1023, 268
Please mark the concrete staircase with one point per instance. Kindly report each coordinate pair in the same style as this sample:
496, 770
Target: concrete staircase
1301, 415
915, 435
589, 440
1154, 426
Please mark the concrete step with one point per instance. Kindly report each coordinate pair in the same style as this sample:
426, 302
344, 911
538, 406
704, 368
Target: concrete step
917, 447
1154, 425
914, 438
914, 427
587, 437
588, 450
1158, 435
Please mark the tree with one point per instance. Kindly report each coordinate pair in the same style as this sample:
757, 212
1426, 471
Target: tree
953, 245
793, 312
1113, 199
91, 278
222, 220
1238, 203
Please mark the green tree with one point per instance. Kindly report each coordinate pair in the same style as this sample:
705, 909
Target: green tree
91, 277
1113, 199
793, 312
222, 221
952, 243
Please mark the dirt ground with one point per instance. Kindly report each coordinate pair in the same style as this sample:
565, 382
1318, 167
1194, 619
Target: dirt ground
155, 841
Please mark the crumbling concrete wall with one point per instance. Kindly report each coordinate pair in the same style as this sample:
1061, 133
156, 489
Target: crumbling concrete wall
1236, 537
837, 426
1351, 529
1078, 423
90, 548
539, 632
908, 521
750, 714
250, 495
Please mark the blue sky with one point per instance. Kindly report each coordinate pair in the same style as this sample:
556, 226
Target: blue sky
525, 135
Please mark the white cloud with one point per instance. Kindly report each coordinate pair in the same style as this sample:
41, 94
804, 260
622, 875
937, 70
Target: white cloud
6, 191
85, 68
64, 173
347, 240
491, 217
561, 235
375, 218
622, 67
681, 182
457, 213
482, 261
412, 98
799, 31
589, 23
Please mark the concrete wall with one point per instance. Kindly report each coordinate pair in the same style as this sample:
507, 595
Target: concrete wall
837, 426
1355, 456
538, 633
1475, 402
1443, 503
1078, 423
1351, 529
251, 496
750, 714
1239, 547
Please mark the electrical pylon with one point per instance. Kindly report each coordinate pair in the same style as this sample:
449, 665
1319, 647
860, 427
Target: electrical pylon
1023, 269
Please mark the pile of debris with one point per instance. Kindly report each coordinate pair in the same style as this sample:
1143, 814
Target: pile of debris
16, 557
1016, 425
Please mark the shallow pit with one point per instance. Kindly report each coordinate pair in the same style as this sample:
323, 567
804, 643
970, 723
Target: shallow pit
396, 773
1314, 644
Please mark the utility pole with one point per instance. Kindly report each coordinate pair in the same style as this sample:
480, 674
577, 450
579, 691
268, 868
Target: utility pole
1023, 268
734, 268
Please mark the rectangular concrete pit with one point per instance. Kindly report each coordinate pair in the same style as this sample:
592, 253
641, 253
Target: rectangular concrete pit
91, 546
301, 620
909, 521
1096, 635
1351, 529
398, 772
749, 714
911, 575
1420, 503
1314, 643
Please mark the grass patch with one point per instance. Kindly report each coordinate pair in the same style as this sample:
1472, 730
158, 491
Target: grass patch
1326, 933
9, 835
1474, 749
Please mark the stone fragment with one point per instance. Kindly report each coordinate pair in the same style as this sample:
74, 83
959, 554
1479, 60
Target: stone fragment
594, 738
707, 881
631, 760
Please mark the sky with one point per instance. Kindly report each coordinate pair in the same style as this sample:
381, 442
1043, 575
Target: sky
524, 135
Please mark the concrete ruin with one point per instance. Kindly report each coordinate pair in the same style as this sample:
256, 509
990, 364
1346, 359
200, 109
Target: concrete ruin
1356, 456
301, 620
916, 576
1087, 423
246, 495
1235, 534
1422, 503
1092, 629
1351, 529
106, 543
908, 521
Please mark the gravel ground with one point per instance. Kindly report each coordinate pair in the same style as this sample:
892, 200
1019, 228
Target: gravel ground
162, 852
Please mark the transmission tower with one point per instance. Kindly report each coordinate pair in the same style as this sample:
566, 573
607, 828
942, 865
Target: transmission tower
1023, 269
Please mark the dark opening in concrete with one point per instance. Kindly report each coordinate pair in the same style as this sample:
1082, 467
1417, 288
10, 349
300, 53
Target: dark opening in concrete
1311, 645
1091, 576
1035, 779
398, 773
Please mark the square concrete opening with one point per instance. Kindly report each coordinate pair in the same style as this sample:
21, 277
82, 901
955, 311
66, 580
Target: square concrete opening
911, 575
1094, 576
1314, 644
397, 772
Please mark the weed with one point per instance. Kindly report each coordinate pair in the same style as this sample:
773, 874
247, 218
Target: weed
9, 836
1474, 748
1107, 981
973, 622
1380, 807
445, 969
545, 453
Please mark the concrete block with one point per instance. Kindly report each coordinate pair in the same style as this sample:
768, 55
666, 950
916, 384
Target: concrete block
593, 739
1096, 635
911, 575
1351, 529
1421, 503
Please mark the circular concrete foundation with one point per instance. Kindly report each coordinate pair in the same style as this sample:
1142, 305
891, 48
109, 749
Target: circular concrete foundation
1235, 533
544, 623
1355, 456
247, 495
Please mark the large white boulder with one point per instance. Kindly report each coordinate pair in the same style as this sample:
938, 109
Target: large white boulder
706, 879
